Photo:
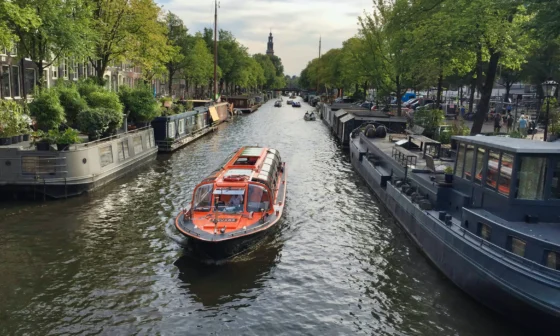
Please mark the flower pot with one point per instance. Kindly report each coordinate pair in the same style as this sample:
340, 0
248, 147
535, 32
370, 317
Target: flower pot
448, 178
26, 137
5, 141
43, 146
20, 137
15, 139
61, 147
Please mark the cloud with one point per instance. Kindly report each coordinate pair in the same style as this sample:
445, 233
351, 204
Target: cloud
296, 24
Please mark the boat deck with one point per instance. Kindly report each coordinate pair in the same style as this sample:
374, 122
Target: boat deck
386, 146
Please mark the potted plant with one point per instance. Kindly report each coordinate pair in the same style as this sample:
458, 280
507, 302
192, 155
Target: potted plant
448, 175
4, 139
41, 141
63, 140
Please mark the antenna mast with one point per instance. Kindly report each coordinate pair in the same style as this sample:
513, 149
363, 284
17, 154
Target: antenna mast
215, 50
319, 64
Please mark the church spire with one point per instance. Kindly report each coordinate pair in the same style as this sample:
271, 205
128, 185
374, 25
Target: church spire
270, 45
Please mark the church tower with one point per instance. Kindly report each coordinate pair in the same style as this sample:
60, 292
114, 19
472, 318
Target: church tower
270, 47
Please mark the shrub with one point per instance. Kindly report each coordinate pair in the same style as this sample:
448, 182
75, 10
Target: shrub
87, 87
105, 99
429, 119
140, 104
72, 102
99, 121
178, 108
47, 110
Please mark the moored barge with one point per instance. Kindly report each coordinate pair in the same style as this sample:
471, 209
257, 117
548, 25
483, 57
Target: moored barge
236, 205
494, 231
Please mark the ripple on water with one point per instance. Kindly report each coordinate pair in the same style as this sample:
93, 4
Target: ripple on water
108, 263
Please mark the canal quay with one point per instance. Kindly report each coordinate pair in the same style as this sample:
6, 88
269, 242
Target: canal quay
109, 262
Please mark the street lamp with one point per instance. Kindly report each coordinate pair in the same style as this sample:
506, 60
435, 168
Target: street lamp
549, 89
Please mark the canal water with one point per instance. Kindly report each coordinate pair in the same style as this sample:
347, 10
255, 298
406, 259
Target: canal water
109, 263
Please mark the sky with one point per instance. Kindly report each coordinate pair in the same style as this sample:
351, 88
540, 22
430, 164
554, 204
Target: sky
296, 24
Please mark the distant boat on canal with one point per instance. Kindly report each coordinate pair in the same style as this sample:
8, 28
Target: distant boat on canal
244, 104
236, 205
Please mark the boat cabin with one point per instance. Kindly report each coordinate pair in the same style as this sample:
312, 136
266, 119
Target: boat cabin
509, 192
245, 183
241, 102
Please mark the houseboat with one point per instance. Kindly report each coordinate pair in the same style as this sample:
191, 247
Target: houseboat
236, 205
78, 169
244, 104
175, 131
494, 230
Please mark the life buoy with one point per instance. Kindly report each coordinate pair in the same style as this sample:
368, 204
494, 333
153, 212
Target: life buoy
234, 178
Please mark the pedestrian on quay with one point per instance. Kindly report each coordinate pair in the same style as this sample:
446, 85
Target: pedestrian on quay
523, 125
497, 122
509, 122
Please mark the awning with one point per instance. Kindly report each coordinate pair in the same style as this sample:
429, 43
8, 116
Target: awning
213, 113
347, 117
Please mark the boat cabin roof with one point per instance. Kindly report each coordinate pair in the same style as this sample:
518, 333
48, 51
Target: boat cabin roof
513, 145
248, 164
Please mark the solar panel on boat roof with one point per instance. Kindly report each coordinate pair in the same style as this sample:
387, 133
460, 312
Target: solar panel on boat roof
252, 152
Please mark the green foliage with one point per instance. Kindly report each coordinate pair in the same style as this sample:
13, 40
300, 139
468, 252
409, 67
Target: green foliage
68, 137
13, 119
516, 134
47, 110
105, 99
99, 121
88, 86
140, 104
445, 137
71, 101
430, 119
448, 170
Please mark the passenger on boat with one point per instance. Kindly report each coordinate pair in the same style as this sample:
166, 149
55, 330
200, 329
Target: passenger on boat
236, 200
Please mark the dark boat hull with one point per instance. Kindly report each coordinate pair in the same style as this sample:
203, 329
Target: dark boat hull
466, 268
224, 249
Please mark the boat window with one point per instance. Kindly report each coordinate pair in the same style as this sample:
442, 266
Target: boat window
123, 150
203, 198
479, 165
552, 260
492, 169
504, 179
171, 130
516, 246
531, 178
257, 199
484, 231
182, 126
555, 189
106, 155
469, 158
229, 200
460, 160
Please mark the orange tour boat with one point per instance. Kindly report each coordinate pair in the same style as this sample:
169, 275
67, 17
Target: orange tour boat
237, 204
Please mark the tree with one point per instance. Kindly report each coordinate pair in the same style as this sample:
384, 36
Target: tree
13, 15
177, 37
63, 30
269, 71
123, 29
200, 64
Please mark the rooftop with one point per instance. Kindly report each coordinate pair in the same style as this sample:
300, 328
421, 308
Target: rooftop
514, 145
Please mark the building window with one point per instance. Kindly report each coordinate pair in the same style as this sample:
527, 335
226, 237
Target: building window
137, 141
105, 155
531, 178
555, 188
460, 160
123, 150
479, 165
469, 158
64, 65
552, 260
75, 70
30, 80
15, 81
504, 179
516, 246
83, 69
45, 79
6, 83
54, 70
484, 231
13, 52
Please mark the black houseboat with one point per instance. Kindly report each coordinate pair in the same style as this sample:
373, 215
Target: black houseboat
494, 230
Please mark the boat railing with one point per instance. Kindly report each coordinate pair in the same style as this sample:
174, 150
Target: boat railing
109, 138
498, 251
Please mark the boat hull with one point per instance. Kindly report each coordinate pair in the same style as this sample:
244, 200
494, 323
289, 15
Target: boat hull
458, 261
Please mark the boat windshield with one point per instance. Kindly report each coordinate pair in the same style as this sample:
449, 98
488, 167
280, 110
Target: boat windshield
203, 198
258, 199
229, 200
